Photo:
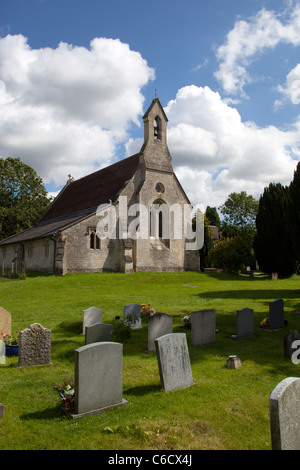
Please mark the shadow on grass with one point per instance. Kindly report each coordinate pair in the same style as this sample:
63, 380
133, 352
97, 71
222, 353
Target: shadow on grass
141, 390
252, 294
48, 413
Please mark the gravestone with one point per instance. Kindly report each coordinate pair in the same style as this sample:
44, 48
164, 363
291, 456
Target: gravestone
289, 338
233, 362
98, 378
34, 346
203, 327
173, 361
284, 406
2, 352
1, 410
132, 316
159, 324
97, 333
91, 316
276, 314
244, 323
5, 322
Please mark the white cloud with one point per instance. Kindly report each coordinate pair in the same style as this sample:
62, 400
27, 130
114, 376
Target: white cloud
64, 110
292, 88
250, 38
215, 153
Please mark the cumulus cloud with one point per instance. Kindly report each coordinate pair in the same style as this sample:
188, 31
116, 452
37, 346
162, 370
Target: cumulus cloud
64, 110
247, 39
215, 153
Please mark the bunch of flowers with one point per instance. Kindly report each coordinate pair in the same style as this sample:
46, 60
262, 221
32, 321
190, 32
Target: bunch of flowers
187, 320
265, 322
147, 311
66, 393
11, 340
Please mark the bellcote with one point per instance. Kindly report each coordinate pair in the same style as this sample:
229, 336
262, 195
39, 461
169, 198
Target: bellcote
155, 151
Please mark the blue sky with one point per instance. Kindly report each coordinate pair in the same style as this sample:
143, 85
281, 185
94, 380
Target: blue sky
76, 77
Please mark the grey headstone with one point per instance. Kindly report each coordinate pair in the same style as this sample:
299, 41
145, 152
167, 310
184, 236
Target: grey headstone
2, 352
159, 324
1, 410
276, 314
91, 316
97, 333
289, 338
34, 346
173, 361
132, 316
284, 406
203, 327
244, 323
98, 378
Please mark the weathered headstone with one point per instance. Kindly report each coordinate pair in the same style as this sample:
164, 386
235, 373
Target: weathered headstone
203, 327
2, 352
97, 333
276, 314
159, 324
91, 316
98, 378
1, 410
244, 323
34, 346
284, 406
5, 322
289, 338
132, 316
173, 361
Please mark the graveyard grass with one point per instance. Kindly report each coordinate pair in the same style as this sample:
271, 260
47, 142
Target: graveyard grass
225, 409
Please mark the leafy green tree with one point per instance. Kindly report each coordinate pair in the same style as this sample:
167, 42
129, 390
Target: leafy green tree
239, 212
232, 254
274, 240
23, 197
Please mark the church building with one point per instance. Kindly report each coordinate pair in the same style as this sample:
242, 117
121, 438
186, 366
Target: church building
87, 226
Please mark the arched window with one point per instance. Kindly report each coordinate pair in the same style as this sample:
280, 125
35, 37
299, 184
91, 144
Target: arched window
157, 128
159, 220
94, 240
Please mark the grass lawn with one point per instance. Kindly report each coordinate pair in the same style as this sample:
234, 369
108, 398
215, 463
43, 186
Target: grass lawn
225, 410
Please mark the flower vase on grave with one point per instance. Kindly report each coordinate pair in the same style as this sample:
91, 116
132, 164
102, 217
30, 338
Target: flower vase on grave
12, 350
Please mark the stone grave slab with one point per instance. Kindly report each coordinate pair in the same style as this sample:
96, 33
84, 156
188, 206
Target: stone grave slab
91, 316
159, 324
97, 333
284, 407
289, 338
98, 378
276, 314
5, 322
173, 361
244, 324
203, 327
132, 316
34, 346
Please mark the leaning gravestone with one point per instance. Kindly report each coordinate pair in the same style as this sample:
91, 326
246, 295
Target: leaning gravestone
98, 378
173, 361
97, 333
34, 346
159, 324
132, 316
5, 322
276, 314
244, 323
90, 316
203, 327
284, 406
289, 338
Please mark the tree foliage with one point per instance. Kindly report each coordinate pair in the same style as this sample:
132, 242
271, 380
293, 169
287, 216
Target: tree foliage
239, 212
274, 244
212, 216
23, 197
232, 254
